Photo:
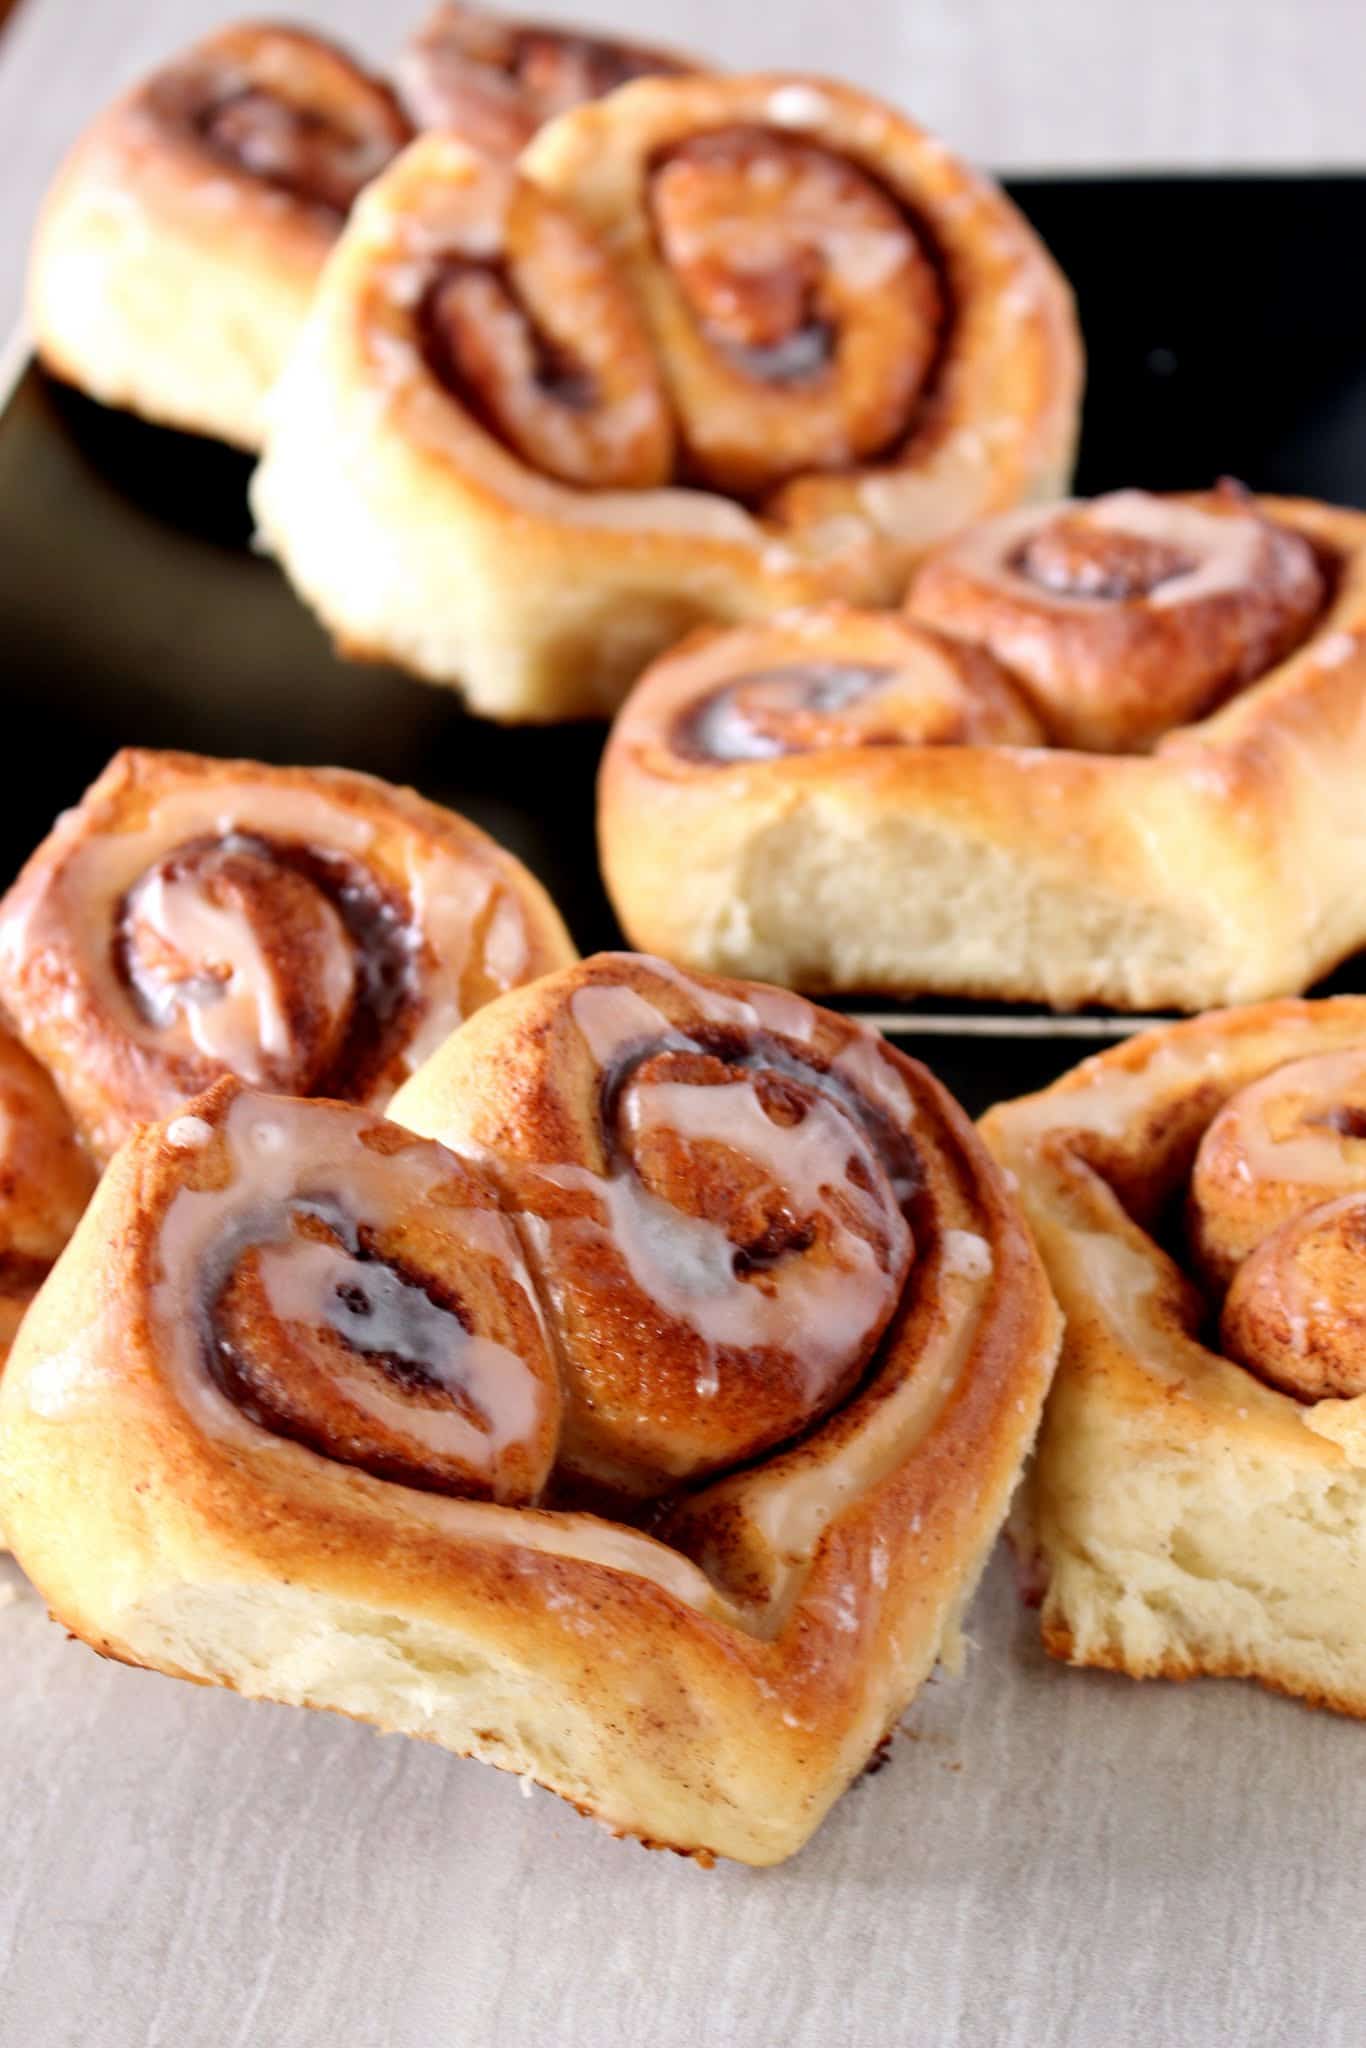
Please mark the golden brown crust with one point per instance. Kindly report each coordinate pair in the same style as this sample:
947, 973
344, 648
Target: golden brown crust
1187, 1515
714, 1692
1127, 615
583, 566
314, 930
1220, 866
991, 418
1179, 1670
45, 1182
493, 80
216, 187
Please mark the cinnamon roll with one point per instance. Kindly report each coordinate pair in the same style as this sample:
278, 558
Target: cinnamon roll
643, 1433
1130, 614
1198, 1499
1108, 753
45, 1182
179, 247
797, 339
309, 930
493, 80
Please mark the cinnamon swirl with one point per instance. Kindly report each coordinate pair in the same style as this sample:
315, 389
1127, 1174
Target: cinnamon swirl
310, 930
493, 80
179, 247
1109, 753
642, 1432
1198, 1499
797, 341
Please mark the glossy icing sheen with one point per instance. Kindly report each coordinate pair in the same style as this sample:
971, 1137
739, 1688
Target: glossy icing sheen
286, 1161
1274, 1212
723, 728
614, 1250
275, 1151
261, 928
687, 1264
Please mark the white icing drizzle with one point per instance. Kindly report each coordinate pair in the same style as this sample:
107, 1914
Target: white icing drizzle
1317, 1157
967, 1253
70, 922
723, 726
1333, 650
276, 1149
263, 1141
797, 106
188, 1133
231, 1006
790, 1016
819, 1311
73, 1381
863, 1063
791, 1508
1224, 547
377, 1311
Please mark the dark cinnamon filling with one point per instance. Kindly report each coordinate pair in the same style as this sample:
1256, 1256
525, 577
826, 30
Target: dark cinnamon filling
785, 1076
563, 70
779, 319
1073, 557
296, 149
378, 927
1349, 1121
722, 726
796, 358
456, 325
282, 1373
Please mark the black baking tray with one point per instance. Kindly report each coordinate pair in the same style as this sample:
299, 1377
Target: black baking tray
1226, 330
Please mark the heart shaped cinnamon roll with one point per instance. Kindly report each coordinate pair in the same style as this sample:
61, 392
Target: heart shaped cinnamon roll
635, 1412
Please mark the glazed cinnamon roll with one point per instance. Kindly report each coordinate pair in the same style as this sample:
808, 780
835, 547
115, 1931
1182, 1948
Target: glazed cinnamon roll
309, 930
45, 1182
493, 80
811, 341
1198, 1499
645, 1438
871, 804
178, 250
1130, 614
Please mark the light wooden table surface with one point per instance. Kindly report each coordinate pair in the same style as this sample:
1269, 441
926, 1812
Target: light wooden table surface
1053, 1860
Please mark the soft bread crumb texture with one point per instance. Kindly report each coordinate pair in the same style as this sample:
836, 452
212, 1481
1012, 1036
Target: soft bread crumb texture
298, 1646
403, 1674
1203, 1560
837, 901
1181, 1516
126, 307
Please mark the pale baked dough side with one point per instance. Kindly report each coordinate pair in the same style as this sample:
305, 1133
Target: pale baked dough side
606, 1665
159, 286
1227, 866
1179, 1517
